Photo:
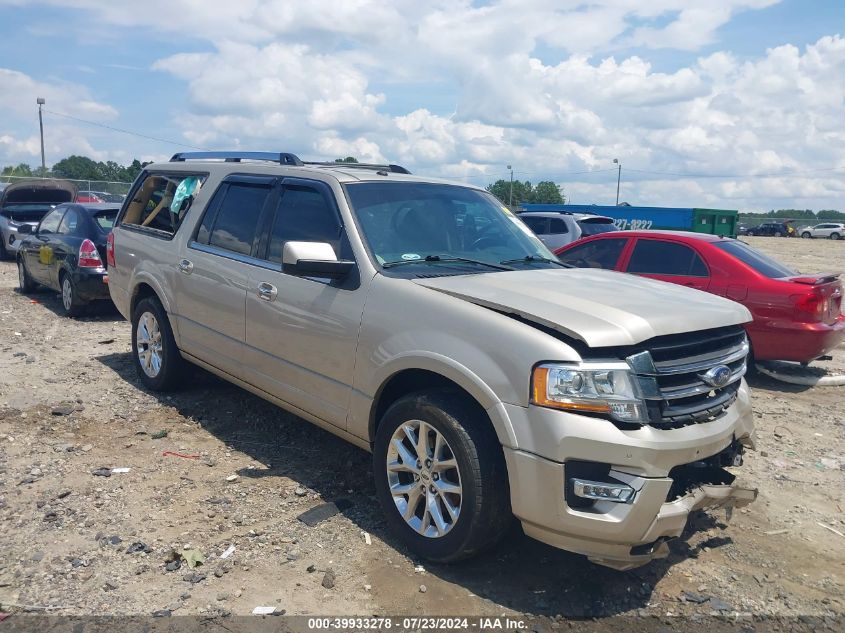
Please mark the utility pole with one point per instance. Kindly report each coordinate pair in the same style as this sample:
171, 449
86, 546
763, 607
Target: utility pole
510, 200
41, 101
618, 179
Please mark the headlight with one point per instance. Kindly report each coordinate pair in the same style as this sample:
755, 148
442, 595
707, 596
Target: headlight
590, 388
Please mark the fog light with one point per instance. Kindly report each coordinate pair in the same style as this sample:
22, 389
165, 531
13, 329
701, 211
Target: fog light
602, 491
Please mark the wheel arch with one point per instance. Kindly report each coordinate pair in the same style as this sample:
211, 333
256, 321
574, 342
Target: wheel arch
433, 376
145, 288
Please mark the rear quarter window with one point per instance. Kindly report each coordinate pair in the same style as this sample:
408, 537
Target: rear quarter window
160, 202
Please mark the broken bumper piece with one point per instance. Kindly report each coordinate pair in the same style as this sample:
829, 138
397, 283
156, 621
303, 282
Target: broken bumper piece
672, 519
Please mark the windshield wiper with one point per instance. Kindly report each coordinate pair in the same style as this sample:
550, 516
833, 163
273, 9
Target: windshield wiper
446, 258
536, 258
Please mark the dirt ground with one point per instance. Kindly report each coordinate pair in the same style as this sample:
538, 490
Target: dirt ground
70, 403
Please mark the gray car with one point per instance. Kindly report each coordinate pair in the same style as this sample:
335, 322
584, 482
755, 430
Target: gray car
421, 320
27, 202
559, 229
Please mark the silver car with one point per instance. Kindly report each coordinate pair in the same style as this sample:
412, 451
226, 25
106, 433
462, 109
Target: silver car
559, 229
26, 202
421, 320
830, 230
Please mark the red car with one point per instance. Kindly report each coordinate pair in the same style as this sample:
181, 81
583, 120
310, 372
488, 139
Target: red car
797, 317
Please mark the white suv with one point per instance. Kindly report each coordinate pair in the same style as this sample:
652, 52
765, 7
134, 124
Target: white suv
831, 230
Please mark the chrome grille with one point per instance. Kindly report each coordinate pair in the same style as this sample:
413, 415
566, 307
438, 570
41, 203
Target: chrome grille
677, 374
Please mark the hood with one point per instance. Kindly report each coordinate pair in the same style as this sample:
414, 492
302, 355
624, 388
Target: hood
600, 307
39, 192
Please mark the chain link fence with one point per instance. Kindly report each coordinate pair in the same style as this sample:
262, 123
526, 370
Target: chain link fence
102, 186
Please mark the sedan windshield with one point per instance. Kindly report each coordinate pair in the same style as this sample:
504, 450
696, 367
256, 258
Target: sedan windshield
423, 224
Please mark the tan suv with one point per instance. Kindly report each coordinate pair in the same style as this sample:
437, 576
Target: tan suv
421, 320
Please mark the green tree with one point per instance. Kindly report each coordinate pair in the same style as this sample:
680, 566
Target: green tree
21, 169
547, 192
522, 191
830, 214
348, 159
78, 168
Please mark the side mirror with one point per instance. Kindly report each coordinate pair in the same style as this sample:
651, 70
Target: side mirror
314, 259
25, 229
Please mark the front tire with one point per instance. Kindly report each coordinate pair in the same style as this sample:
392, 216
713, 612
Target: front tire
25, 283
806, 235
157, 359
440, 476
71, 302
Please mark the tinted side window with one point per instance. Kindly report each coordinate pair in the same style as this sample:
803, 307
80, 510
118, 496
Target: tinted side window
50, 224
303, 215
599, 254
69, 222
538, 225
665, 258
236, 222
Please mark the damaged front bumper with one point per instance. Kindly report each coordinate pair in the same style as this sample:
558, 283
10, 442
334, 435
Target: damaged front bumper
672, 519
615, 495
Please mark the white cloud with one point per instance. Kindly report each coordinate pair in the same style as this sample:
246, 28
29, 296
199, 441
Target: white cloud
545, 89
19, 133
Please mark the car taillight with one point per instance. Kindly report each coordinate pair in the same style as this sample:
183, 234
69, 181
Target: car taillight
88, 255
812, 306
110, 250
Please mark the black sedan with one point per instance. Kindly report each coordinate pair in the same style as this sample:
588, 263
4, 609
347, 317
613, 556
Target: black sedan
67, 252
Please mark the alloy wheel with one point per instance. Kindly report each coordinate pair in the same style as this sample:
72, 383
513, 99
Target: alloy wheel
424, 479
67, 294
148, 344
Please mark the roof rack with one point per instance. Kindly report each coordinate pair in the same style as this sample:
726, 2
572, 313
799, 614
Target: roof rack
396, 169
283, 158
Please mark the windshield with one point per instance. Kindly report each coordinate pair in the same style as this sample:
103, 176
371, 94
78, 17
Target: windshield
763, 264
408, 222
595, 226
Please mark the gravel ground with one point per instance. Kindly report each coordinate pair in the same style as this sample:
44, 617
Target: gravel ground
212, 467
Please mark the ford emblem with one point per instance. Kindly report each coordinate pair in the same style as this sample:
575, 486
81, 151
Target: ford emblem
717, 376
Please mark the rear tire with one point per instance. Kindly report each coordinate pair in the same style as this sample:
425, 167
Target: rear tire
156, 357
834, 236
440, 525
71, 302
25, 283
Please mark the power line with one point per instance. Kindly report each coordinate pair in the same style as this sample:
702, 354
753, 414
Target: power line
122, 131
734, 176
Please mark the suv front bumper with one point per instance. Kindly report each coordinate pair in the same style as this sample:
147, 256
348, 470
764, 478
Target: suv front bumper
618, 535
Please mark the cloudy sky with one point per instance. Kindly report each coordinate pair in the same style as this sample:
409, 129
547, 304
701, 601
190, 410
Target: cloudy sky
724, 103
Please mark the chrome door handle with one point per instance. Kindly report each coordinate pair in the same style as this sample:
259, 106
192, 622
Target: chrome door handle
267, 292
186, 266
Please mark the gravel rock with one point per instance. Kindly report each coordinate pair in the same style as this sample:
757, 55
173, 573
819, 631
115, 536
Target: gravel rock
423, 588
329, 579
194, 577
